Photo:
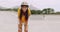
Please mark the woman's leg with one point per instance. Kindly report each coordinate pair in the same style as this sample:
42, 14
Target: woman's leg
26, 26
20, 26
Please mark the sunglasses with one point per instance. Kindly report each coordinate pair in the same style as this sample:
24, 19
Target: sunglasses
24, 5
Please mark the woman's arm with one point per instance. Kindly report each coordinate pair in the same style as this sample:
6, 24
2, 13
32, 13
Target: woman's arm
18, 12
29, 12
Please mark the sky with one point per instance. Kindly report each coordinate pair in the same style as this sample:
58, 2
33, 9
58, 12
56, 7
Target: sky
40, 4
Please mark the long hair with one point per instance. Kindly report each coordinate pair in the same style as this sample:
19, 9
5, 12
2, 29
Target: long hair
24, 13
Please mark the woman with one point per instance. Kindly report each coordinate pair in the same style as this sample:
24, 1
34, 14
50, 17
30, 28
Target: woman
23, 15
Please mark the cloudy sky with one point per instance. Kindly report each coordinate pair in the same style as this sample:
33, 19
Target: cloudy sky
40, 4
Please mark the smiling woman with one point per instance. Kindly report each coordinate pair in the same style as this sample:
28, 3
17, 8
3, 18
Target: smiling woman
44, 18
23, 15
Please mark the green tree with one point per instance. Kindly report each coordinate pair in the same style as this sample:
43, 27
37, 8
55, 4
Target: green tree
33, 12
48, 11
39, 12
44, 11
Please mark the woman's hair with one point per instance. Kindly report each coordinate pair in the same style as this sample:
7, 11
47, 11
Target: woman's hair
24, 13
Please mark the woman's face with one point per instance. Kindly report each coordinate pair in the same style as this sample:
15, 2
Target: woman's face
24, 8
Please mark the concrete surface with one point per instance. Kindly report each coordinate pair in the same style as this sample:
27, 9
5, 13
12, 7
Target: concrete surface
37, 23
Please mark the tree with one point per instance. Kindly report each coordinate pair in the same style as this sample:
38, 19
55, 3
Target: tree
39, 12
44, 11
48, 11
33, 12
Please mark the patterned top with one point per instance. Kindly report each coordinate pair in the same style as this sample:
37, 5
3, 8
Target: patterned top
23, 17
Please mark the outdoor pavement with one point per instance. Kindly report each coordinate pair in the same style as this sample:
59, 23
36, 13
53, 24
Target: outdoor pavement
37, 23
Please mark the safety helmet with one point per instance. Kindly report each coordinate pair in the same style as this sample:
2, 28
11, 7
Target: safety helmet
24, 4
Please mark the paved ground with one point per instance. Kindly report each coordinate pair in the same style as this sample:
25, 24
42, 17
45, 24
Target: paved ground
37, 23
